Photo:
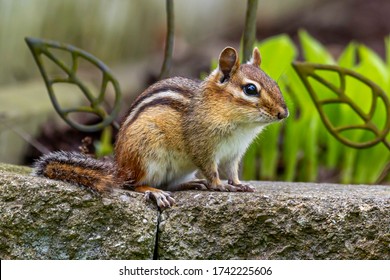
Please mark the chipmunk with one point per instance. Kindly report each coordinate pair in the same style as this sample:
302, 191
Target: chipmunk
179, 126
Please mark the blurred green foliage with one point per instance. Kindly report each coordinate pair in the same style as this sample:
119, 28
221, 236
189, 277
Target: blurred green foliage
89, 24
301, 148
104, 146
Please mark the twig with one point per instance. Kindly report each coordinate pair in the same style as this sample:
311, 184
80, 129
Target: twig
25, 136
249, 36
169, 41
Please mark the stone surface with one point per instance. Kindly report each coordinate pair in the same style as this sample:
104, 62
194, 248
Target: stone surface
44, 219
279, 221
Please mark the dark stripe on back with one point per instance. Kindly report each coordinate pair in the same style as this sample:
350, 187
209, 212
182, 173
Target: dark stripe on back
174, 104
185, 92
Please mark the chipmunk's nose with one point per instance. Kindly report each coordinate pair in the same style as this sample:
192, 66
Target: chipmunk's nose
283, 113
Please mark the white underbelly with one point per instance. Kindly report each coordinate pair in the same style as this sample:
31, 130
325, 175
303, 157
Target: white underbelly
236, 144
169, 169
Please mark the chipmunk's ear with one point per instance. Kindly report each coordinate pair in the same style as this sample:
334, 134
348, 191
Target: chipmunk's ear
256, 58
228, 62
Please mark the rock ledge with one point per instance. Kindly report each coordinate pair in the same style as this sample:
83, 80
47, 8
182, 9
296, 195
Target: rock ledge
45, 219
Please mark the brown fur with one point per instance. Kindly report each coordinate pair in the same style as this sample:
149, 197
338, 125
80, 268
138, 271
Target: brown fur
77, 169
181, 123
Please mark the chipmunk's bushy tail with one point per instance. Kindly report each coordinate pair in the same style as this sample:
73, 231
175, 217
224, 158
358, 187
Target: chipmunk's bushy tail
77, 168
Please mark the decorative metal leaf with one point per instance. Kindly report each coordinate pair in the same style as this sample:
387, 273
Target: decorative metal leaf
308, 70
40, 47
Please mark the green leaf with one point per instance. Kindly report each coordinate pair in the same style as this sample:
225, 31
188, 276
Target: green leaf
374, 68
348, 57
370, 163
277, 54
310, 147
348, 165
250, 163
291, 146
313, 50
387, 45
269, 152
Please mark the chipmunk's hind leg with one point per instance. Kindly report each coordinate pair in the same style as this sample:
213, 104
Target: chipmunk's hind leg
163, 199
196, 184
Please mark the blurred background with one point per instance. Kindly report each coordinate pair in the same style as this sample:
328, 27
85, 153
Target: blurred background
124, 31
129, 37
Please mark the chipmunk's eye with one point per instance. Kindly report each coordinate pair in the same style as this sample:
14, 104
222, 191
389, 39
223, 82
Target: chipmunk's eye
250, 89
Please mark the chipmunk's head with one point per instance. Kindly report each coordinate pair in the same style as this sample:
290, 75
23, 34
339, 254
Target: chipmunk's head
247, 92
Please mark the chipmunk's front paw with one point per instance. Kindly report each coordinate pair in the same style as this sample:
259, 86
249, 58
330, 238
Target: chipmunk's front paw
163, 199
